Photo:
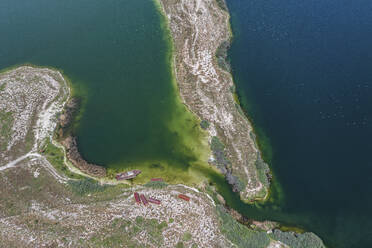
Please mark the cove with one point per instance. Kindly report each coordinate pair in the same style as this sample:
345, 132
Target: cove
117, 54
303, 73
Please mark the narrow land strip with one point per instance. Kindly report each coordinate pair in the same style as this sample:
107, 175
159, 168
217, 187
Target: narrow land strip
200, 31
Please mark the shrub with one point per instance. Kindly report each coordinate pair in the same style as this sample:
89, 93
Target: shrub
239, 234
6, 122
85, 186
139, 220
153, 228
180, 245
221, 55
204, 124
222, 4
216, 144
162, 225
187, 236
2, 87
218, 149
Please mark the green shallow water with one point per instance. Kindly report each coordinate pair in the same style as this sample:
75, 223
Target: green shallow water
119, 53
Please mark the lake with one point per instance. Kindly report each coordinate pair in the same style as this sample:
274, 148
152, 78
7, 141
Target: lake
304, 75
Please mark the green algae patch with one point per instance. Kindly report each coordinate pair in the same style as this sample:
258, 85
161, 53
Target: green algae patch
192, 174
184, 145
183, 122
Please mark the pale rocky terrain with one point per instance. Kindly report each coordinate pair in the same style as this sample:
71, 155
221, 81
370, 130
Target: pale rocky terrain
38, 211
198, 28
32, 97
53, 217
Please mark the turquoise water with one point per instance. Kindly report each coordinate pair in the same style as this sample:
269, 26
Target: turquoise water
303, 71
118, 53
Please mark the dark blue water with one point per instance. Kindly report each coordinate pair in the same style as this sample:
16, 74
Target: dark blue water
304, 72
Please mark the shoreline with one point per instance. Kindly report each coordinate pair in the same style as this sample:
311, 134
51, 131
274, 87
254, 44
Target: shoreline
69, 143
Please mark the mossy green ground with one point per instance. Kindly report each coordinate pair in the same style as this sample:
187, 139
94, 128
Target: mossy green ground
55, 156
6, 122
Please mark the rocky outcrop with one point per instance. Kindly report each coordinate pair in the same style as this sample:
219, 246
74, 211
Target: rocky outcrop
66, 119
70, 143
77, 160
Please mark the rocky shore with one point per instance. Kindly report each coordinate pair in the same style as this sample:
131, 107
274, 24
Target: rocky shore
70, 144
77, 160
201, 35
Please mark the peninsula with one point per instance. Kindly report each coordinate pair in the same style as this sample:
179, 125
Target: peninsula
201, 32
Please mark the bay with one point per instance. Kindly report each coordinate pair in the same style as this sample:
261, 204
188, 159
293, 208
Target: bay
117, 54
